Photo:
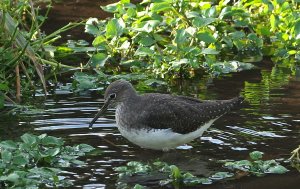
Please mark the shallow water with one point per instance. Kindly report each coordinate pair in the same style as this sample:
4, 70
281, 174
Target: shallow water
268, 122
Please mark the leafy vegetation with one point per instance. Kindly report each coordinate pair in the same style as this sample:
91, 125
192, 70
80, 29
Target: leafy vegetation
256, 166
37, 161
23, 54
174, 38
176, 177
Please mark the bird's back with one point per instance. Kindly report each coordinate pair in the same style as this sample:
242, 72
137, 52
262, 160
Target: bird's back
179, 113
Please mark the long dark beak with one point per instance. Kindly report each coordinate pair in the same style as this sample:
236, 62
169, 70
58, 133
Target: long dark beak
100, 112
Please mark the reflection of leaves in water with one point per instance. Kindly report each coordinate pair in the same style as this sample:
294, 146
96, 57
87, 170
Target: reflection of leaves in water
255, 93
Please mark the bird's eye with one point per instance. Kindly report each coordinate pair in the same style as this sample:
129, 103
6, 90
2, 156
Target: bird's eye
112, 96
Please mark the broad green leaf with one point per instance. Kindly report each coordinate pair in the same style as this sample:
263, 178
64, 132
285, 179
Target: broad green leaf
85, 148
99, 59
146, 41
192, 14
297, 29
237, 35
209, 51
175, 172
274, 20
200, 22
206, 37
50, 152
178, 63
111, 7
8, 144
114, 28
50, 140
6, 156
99, 40
144, 51
162, 6
278, 169
131, 12
29, 138
13, 177
181, 37
92, 26
20, 160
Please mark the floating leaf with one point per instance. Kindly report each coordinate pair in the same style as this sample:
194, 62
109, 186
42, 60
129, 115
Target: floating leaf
8, 144
29, 138
278, 169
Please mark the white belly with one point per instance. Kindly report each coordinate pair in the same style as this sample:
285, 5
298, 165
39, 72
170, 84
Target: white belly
160, 139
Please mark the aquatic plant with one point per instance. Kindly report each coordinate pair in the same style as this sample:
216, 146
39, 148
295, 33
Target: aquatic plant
38, 161
257, 166
23, 55
176, 177
174, 38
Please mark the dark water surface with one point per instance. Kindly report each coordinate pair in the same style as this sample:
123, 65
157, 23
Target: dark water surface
268, 122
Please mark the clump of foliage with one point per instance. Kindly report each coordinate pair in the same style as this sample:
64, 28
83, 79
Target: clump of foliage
23, 54
176, 177
37, 161
257, 166
174, 36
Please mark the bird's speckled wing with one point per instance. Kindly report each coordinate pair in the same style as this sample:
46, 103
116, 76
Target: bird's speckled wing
182, 114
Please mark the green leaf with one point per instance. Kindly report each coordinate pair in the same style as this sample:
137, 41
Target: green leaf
146, 41
206, 37
256, 155
209, 51
114, 28
6, 156
50, 152
144, 51
181, 36
99, 59
92, 26
237, 35
277, 169
175, 172
178, 63
8, 144
85, 148
297, 29
13, 177
29, 138
163, 6
200, 22
20, 160
99, 40
112, 8
50, 140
